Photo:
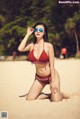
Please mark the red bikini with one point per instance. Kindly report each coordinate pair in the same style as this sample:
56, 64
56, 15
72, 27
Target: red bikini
44, 58
45, 79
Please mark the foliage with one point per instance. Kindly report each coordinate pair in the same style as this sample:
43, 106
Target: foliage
17, 15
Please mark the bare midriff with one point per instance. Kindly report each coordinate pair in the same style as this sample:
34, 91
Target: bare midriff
43, 69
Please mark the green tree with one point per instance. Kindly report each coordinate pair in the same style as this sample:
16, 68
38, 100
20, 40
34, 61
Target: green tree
71, 28
16, 15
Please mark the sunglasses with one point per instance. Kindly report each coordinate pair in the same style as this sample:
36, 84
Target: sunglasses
38, 29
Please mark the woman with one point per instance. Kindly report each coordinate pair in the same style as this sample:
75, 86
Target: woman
42, 55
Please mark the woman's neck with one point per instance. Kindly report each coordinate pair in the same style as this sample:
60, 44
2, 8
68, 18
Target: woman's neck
40, 41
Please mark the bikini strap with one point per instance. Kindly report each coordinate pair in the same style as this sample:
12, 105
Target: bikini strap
43, 45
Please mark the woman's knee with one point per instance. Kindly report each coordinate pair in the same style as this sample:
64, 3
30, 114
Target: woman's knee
30, 98
56, 97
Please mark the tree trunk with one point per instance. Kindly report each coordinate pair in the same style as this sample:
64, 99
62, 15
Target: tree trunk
77, 43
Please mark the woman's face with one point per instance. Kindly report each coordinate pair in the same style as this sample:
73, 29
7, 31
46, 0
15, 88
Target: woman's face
39, 31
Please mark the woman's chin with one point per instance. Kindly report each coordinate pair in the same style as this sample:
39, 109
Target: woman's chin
38, 36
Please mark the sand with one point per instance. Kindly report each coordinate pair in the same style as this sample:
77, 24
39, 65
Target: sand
16, 77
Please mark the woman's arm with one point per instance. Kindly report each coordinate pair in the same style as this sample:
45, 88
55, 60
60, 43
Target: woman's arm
51, 61
22, 47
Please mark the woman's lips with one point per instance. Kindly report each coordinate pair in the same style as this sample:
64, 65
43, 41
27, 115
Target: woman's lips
37, 34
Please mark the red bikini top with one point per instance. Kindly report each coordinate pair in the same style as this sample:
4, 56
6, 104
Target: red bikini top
44, 58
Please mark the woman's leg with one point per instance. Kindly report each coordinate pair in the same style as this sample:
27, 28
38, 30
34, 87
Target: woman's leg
44, 96
35, 90
55, 92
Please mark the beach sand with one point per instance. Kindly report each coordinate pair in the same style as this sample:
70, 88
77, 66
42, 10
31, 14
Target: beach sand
16, 77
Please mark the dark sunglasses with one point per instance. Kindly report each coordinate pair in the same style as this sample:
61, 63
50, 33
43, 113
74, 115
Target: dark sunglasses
38, 29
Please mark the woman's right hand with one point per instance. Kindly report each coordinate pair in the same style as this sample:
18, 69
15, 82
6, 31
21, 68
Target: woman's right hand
30, 30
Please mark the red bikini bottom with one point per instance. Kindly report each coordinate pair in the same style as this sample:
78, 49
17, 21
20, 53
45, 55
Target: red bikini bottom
44, 79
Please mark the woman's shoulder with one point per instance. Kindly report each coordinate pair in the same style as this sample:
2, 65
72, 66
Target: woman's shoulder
31, 44
48, 44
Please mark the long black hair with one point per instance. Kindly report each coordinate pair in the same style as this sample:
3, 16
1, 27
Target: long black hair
45, 36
